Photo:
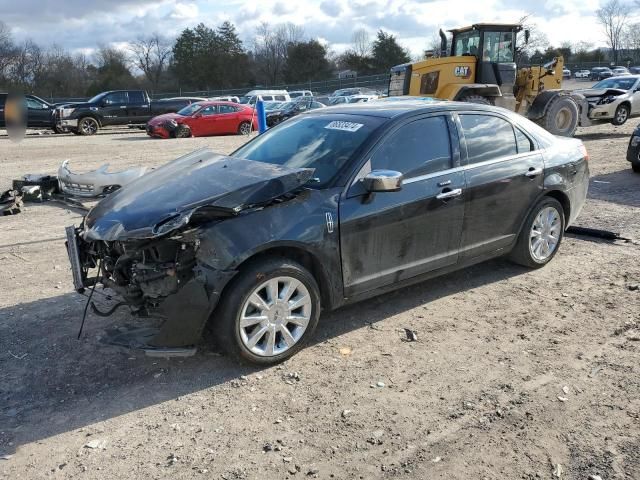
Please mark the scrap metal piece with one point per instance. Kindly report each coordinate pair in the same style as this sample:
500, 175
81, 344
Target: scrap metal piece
96, 183
74, 258
10, 202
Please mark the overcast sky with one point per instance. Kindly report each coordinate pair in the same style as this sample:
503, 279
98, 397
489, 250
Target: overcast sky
83, 24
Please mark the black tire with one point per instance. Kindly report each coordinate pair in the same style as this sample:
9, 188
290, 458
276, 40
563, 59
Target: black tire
521, 253
621, 116
226, 319
471, 98
88, 126
244, 128
561, 117
182, 131
635, 166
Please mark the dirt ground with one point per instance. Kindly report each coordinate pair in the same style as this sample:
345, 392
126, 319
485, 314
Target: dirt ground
516, 374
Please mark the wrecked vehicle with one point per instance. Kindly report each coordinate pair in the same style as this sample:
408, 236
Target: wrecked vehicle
331, 207
97, 183
614, 99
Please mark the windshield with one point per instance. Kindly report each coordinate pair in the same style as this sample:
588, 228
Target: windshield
273, 105
189, 110
97, 98
325, 143
245, 99
621, 83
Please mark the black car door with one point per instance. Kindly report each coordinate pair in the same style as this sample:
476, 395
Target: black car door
114, 108
138, 108
391, 236
39, 113
504, 175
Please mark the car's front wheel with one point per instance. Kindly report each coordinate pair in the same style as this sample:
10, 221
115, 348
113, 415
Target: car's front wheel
268, 312
541, 234
621, 115
244, 128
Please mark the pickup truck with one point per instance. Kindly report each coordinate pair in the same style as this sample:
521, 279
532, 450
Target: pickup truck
39, 112
115, 107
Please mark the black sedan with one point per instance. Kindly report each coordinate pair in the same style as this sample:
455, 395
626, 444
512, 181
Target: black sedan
331, 207
291, 109
633, 152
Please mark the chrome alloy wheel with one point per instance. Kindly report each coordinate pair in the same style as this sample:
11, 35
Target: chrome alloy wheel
245, 128
621, 115
89, 126
275, 316
545, 234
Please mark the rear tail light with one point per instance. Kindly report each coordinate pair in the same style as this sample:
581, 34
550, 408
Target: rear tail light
585, 154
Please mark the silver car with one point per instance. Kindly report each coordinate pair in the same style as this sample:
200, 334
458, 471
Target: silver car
614, 99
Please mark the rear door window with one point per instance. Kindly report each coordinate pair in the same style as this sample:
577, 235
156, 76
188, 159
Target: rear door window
524, 143
136, 97
115, 98
280, 98
417, 148
488, 137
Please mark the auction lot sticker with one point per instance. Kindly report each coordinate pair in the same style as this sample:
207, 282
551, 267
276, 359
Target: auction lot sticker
344, 126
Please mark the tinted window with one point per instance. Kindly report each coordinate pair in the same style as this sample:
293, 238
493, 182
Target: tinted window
206, 111
326, 143
34, 104
524, 144
226, 109
268, 98
280, 98
487, 137
418, 148
136, 97
116, 97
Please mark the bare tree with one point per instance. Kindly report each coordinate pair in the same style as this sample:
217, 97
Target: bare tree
361, 43
631, 39
151, 55
613, 17
537, 40
270, 47
7, 49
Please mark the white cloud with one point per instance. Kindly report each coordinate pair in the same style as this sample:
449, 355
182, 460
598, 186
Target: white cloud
78, 24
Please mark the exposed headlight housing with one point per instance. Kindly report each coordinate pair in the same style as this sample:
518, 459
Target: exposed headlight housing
608, 99
66, 112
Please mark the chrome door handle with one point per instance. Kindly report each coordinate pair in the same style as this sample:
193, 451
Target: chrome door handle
449, 194
123, 106
533, 172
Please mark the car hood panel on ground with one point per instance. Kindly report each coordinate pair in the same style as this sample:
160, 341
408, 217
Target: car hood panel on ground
168, 195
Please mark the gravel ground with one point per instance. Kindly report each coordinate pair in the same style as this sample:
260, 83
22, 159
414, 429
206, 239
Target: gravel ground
515, 374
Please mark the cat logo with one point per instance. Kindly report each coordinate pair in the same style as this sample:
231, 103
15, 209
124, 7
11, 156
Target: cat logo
462, 71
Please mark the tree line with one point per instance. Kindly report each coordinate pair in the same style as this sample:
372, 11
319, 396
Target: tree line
200, 58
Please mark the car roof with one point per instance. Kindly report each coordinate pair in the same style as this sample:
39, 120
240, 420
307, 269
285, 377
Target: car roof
207, 103
391, 108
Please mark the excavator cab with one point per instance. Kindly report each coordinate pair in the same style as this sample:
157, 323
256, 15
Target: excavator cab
494, 47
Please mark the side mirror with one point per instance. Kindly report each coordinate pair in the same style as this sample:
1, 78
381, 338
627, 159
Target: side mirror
383, 181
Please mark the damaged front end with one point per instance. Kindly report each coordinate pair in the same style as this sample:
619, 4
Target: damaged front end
143, 242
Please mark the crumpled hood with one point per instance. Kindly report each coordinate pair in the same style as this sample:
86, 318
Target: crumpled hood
160, 119
165, 198
600, 92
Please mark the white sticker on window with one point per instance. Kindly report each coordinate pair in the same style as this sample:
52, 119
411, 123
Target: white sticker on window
345, 126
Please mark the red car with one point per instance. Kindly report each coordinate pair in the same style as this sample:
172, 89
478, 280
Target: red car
201, 119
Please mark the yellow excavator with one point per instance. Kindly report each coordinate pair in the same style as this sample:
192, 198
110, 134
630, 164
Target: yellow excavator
480, 67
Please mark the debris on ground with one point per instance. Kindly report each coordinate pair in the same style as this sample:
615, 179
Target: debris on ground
411, 335
96, 444
96, 183
11, 202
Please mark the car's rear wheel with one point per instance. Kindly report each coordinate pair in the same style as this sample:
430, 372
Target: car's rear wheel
268, 312
244, 128
541, 234
621, 115
561, 116
88, 126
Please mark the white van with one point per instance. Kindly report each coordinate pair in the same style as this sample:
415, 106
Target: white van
300, 93
266, 96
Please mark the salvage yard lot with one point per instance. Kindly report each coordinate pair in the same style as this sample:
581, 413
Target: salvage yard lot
514, 371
